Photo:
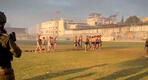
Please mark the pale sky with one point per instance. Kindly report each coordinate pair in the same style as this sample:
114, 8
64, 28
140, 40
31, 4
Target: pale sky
25, 13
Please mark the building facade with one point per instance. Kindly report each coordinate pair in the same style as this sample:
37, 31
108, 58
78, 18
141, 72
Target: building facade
100, 20
64, 29
49, 28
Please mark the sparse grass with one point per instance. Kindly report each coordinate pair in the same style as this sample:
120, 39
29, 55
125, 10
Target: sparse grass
116, 61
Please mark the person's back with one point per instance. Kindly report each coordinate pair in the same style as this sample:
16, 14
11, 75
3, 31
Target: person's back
86, 39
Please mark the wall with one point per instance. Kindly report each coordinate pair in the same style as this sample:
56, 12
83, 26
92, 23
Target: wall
126, 32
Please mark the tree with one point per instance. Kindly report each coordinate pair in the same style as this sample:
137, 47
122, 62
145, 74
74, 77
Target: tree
133, 20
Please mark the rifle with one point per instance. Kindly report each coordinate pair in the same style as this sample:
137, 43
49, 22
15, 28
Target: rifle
12, 36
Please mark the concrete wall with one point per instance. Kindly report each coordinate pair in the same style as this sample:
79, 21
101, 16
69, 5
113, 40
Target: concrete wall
124, 32
127, 32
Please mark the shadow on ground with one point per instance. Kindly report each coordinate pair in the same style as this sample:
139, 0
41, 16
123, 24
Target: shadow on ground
67, 50
115, 47
66, 72
82, 76
134, 66
82, 49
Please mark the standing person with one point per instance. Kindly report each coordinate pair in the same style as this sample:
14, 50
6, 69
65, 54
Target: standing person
49, 44
8, 49
100, 42
52, 43
44, 44
86, 41
75, 42
90, 41
93, 43
55, 42
79, 41
97, 42
146, 47
39, 43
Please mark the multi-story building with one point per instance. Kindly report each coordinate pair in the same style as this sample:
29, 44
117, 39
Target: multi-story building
49, 28
94, 21
64, 29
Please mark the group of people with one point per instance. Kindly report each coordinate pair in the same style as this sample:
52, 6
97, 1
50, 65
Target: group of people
77, 42
9, 48
93, 42
45, 46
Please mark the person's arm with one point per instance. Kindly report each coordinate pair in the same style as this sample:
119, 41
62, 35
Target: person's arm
14, 49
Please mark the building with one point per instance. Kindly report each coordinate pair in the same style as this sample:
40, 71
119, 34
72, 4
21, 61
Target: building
49, 28
66, 29
101, 20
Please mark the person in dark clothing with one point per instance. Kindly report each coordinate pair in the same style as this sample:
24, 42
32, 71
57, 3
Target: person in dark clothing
8, 49
146, 47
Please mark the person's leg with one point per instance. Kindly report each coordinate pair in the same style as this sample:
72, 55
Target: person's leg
37, 49
92, 46
44, 48
85, 47
40, 48
74, 45
55, 45
49, 47
7, 74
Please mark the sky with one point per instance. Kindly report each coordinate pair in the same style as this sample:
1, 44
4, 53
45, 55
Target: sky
26, 13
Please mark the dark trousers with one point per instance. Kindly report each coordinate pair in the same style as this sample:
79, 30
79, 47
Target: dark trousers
6, 73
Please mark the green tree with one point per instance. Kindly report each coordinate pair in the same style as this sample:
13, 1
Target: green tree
133, 20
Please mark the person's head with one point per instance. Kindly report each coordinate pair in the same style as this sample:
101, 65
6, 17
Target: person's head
2, 20
43, 37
